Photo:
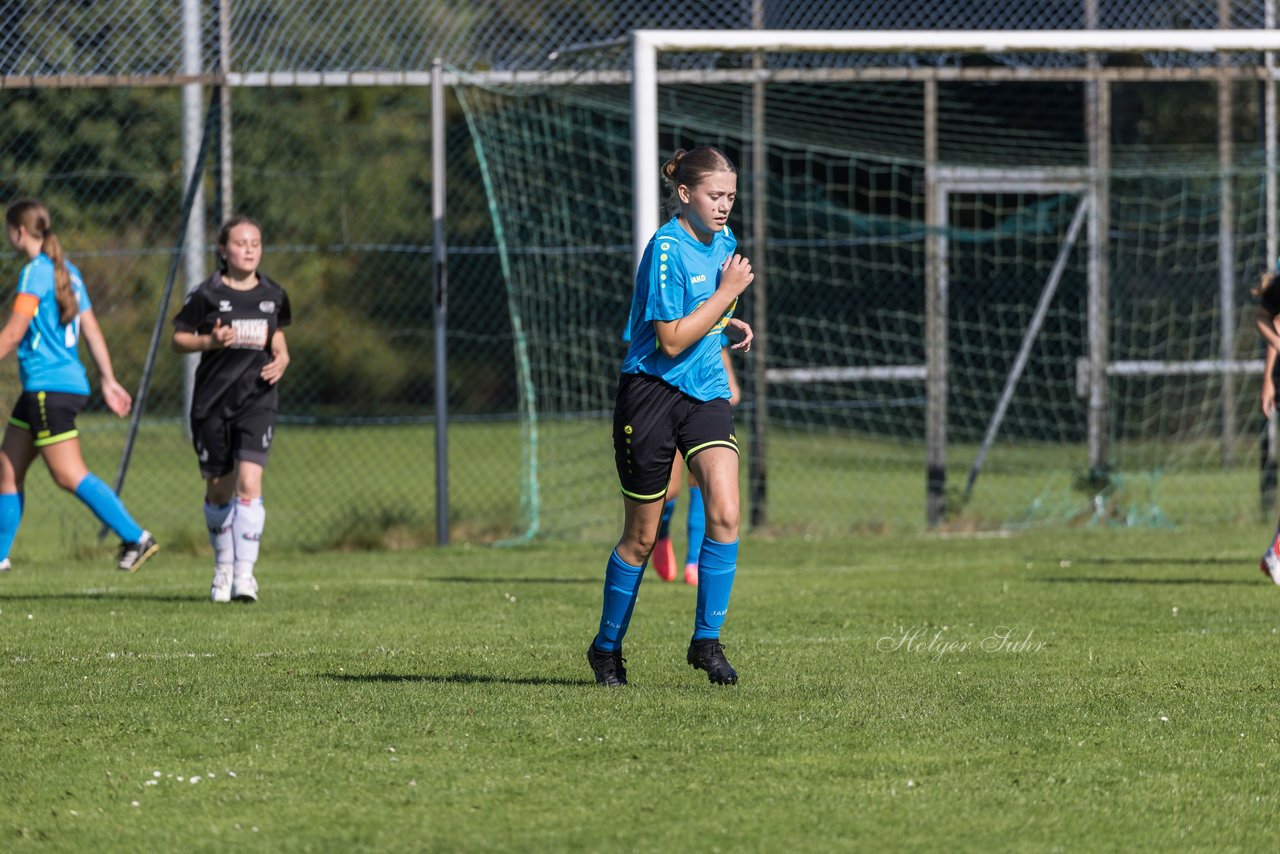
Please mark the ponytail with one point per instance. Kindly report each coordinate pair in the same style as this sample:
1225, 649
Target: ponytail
33, 217
68, 305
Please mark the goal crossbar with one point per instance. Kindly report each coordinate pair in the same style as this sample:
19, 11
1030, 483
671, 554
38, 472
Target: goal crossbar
961, 41
647, 44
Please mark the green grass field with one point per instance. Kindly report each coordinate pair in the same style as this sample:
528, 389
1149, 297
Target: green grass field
1079, 690
331, 487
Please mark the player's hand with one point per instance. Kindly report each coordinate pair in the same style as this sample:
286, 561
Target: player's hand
221, 336
1268, 398
273, 370
118, 400
736, 275
740, 335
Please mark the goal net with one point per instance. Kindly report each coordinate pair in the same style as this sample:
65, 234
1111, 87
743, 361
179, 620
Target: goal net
1095, 347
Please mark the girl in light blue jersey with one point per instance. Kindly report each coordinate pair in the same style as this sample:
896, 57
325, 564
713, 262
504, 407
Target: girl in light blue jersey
673, 396
50, 312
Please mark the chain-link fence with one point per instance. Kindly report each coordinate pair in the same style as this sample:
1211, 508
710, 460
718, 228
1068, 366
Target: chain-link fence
340, 179
330, 150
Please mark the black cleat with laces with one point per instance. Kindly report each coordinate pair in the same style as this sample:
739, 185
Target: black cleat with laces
607, 666
134, 555
708, 654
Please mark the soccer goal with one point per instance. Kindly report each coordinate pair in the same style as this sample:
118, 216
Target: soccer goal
1002, 278
1186, 363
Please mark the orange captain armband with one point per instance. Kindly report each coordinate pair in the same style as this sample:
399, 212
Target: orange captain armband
26, 304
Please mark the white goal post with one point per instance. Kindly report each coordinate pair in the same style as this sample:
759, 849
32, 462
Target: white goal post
646, 159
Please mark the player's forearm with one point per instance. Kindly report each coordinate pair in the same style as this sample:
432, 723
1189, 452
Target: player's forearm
102, 358
8, 342
97, 344
12, 332
676, 336
735, 390
191, 342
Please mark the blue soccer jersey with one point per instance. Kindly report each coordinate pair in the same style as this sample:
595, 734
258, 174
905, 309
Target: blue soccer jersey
677, 274
49, 356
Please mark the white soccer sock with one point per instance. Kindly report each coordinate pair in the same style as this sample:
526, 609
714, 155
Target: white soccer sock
217, 518
250, 518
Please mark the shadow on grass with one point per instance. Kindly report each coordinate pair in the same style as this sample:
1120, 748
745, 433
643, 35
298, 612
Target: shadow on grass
479, 579
113, 596
1164, 561
1120, 579
451, 679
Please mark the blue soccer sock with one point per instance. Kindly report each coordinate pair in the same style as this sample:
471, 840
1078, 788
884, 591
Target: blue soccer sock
697, 525
664, 524
10, 519
108, 507
621, 583
717, 565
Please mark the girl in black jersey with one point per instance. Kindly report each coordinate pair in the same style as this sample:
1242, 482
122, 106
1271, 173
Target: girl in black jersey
1268, 295
235, 320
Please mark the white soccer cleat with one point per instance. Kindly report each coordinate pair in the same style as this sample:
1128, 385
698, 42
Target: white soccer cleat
220, 590
245, 588
5, 566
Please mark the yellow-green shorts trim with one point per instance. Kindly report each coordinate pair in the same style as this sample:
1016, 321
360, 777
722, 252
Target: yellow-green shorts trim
719, 443
53, 440
634, 497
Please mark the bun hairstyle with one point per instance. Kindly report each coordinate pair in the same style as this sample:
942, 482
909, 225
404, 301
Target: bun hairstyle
224, 234
1267, 293
1267, 282
33, 217
690, 168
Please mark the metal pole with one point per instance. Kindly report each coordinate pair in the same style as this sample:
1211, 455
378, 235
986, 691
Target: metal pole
441, 269
193, 247
1268, 485
1098, 132
1227, 319
1028, 339
935, 323
226, 198
757, 465
1269, 142
188, 208
644, 143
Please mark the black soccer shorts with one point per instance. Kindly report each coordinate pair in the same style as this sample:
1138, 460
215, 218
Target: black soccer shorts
651, 421
49, 415
220, 441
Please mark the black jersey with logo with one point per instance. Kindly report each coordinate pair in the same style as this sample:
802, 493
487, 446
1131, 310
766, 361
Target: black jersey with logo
228, 380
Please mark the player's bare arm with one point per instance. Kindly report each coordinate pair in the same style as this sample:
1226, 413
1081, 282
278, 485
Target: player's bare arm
12, 332
193, 342
274, 369
676, 336
117, 398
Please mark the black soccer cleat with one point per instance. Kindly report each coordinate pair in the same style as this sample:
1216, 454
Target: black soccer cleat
607, 666
134, 555
708, 654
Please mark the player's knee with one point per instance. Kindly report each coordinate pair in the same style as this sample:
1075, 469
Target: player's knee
636, 548
722, 520
67, 480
